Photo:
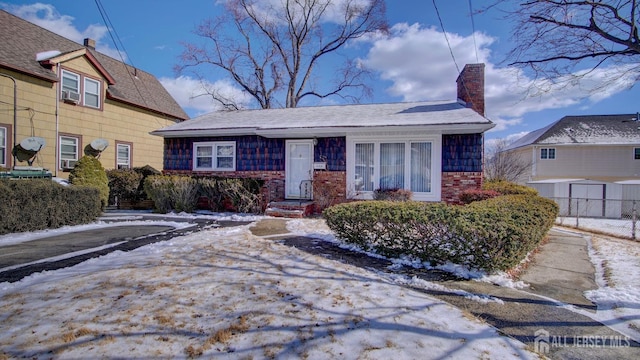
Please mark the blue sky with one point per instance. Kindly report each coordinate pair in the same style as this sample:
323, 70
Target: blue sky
413, 63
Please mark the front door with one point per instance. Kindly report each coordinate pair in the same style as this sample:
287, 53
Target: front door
299, 168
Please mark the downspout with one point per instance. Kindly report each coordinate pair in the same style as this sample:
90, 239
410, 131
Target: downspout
534, 165
57, 141
15, 115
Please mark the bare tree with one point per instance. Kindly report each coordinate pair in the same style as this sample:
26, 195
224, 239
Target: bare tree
271, 48
505, 165
555, 38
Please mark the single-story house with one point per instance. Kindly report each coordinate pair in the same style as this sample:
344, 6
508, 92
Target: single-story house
434, 149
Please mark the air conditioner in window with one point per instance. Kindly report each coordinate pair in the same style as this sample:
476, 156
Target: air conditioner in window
70, 96
68, 164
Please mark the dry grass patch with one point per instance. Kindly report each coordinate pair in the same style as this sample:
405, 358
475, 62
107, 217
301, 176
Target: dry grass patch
222, 336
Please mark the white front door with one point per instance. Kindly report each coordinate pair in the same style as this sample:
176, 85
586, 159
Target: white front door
299, 167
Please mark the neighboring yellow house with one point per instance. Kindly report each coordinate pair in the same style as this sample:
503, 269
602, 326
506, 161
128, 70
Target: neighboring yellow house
77, 100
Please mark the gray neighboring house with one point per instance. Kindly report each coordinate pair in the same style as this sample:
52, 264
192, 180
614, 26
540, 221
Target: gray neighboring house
603, 148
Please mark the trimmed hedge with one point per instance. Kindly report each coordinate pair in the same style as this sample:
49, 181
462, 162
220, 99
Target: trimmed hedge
508, 188
494, 234
37, 204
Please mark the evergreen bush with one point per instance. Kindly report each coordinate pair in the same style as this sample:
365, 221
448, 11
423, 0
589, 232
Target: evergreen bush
89, 172
495, 234
508, 188
37, 204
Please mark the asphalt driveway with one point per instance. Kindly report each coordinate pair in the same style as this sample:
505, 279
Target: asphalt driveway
60, 251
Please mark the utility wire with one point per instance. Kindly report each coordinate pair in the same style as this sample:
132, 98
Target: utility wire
112, 30
450, 49
473, 29
445, 36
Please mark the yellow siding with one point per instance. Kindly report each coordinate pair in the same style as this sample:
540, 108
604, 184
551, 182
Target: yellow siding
115, 121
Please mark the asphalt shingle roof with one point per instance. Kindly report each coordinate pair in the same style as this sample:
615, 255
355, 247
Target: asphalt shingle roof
588, 129
21, 40
344, 117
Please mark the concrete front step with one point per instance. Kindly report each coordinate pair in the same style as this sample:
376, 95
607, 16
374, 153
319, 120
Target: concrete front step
290, 209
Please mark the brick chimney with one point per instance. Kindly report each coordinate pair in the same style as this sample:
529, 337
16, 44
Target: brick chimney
471, 87
90, 43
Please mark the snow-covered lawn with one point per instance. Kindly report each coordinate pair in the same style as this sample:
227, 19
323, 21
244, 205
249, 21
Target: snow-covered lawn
617, 264
229, 294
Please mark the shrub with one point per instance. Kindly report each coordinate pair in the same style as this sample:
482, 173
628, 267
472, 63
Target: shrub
490, 235
469, 196
89, 172
392, 194
508, 188
123, 185
37, 204
179, 193
227, 194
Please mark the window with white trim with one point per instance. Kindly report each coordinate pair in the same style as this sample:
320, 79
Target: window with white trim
91, 93
547, 153
123, 156
3, 146
636, 153
69, 149
393, 165
70, 81
214, 156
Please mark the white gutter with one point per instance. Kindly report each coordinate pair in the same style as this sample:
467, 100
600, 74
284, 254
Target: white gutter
57, 141
303, 132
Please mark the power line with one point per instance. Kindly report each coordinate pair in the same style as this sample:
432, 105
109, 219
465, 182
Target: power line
133, 77
473, 29
450, 49
445, 36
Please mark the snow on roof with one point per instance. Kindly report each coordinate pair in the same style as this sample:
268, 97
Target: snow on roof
332, 117
589, 129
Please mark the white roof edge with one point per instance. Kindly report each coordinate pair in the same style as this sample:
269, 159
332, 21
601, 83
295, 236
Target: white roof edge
324, 131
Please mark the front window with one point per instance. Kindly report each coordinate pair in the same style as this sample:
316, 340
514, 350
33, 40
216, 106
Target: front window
548, 153
218, 156
3, 146
91, 93
636, 153
69, 146
123, 156
364, 167
391, 166
401, 164
421, 167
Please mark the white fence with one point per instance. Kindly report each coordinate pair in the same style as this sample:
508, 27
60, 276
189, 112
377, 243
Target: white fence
612, 217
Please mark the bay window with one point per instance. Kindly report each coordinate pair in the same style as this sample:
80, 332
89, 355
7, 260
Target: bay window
395, 163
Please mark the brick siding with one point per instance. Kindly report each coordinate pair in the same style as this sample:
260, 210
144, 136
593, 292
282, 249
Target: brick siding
454, 183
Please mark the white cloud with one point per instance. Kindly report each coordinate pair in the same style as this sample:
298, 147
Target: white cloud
191, 94
418, 63
46, 16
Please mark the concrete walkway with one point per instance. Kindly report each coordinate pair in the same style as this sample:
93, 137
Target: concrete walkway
537, 316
